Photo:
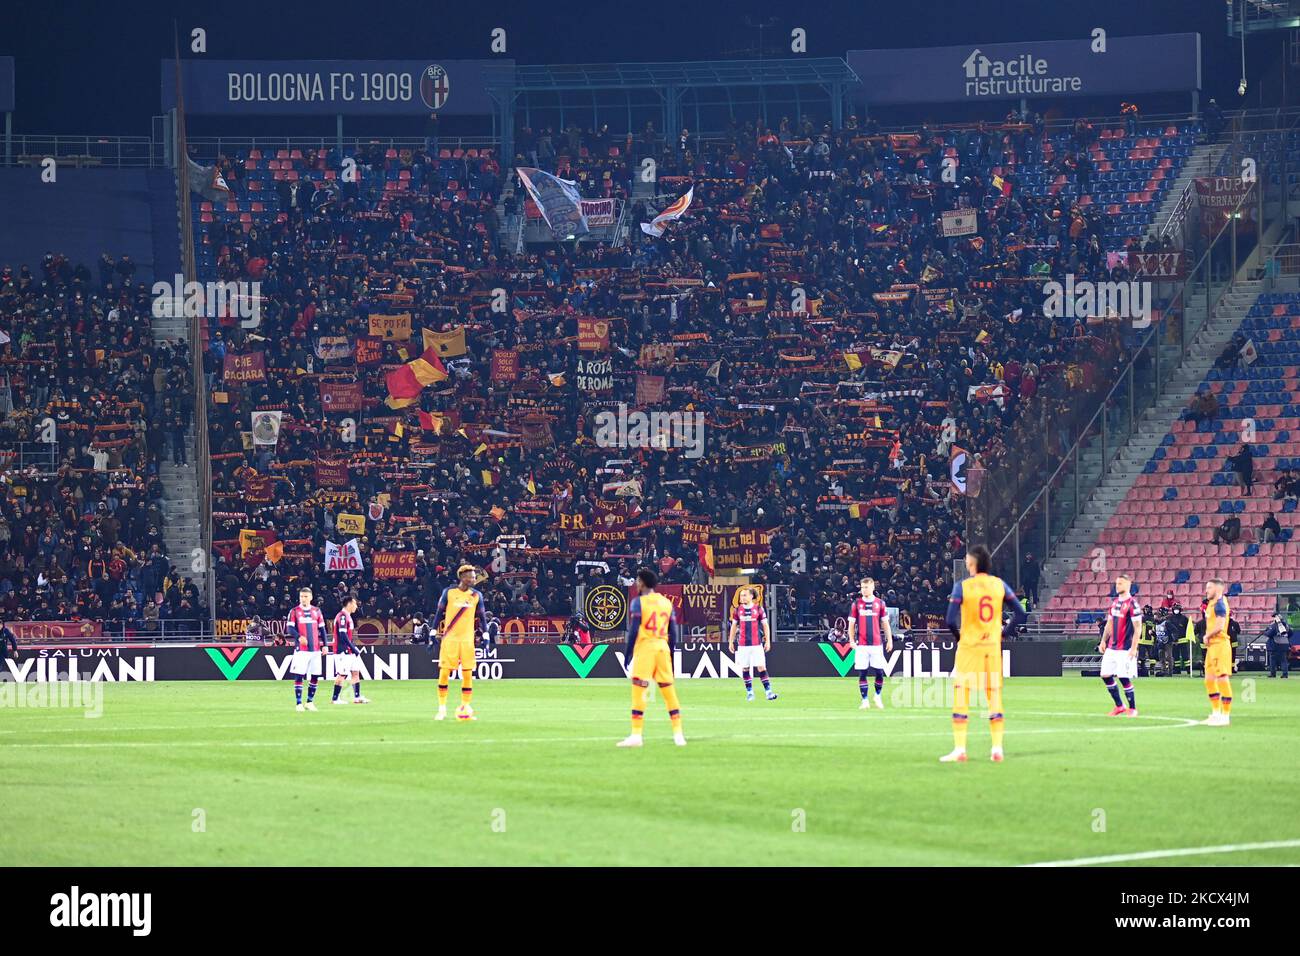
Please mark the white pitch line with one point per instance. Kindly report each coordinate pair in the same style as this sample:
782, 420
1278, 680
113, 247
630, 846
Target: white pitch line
866, 719
1167, 854
1178, 722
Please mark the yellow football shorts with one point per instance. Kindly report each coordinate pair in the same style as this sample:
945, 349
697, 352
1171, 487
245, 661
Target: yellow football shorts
652, 661
457, 652
1218, 660
977, 667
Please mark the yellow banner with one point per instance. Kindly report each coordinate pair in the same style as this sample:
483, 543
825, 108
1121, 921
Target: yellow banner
391, 328
351, 524
449, 344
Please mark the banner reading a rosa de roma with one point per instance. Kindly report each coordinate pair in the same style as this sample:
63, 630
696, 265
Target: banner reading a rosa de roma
736, 548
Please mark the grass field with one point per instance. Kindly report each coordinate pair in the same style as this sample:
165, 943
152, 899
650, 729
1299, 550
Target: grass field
537, 779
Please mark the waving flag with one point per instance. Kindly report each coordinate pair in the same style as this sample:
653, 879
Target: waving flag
673, 212
958, 458
208, 182
558, 200
407, 382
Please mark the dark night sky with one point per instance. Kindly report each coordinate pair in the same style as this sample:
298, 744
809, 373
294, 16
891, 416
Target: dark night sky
91, 66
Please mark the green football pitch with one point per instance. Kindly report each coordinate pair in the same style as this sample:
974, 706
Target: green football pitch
228, 773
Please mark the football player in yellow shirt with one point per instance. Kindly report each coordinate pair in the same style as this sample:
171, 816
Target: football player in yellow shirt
652, 633
975, 619
459, 609
1218, 654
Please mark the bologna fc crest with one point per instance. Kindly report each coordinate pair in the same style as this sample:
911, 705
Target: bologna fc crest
435, 86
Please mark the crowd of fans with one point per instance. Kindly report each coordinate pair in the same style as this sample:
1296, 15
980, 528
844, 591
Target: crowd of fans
802, 245
90, 398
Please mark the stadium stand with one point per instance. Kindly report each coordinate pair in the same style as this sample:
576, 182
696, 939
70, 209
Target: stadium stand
1190, 486
81, 517
846, 454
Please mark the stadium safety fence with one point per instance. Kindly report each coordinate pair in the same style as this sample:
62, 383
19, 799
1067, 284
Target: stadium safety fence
113, 150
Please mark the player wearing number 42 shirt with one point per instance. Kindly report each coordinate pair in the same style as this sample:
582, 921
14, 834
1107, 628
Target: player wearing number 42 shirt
975, 619
652, 632
749, 630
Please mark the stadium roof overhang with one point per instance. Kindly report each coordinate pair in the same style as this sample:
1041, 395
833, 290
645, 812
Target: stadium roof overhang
1258, 16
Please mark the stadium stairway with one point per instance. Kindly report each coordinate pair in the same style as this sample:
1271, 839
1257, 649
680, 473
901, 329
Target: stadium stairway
181, 531
1203, 161
1155, 512
181, 519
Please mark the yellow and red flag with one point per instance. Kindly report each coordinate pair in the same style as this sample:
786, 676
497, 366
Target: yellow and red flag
406, 383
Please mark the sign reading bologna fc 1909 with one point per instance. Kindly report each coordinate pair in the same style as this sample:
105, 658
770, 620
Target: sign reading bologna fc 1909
333, 87
379, 662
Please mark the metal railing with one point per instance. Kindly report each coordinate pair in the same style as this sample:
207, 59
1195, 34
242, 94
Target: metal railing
198, 352
1231, 151
115, 150
139, 152
110, 150
1251, 16
210, 147
21, 455
1276, 261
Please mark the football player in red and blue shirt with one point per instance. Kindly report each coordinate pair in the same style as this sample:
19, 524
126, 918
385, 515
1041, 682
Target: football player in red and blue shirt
872, 639
347, 661
306, 628
750, 630
1119, 646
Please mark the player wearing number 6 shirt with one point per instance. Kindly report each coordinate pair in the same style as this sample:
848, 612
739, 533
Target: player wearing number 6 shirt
975, 619
1119, 647
307, 630
750, 630
872, 640
347, 662
652, 632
